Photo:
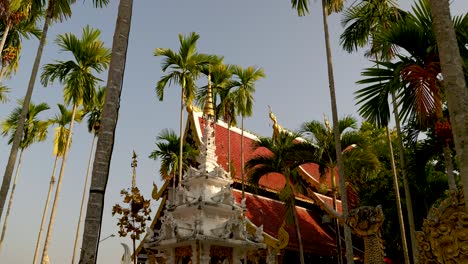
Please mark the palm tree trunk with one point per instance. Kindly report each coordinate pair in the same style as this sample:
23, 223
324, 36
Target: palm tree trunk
83, 200
105, 143
4, 37
298, 234
454, 79
337, 226
409, 203
242, 157
10, 202
45, 251
229, 146
46, 208
27, 99
344, 197
181, 133
398, 200
449, 167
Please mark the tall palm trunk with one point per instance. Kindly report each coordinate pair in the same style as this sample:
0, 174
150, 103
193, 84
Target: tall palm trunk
398, 200
83, 200
242, 156
449, 166
336, 223
404, 174
454, 79
181, 133
27, 99
5, 35
10, 202
229, 145
105, 141
45, 251
298, 234
344, 197
46, 208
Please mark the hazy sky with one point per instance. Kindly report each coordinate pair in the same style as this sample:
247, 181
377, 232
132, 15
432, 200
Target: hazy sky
265, 33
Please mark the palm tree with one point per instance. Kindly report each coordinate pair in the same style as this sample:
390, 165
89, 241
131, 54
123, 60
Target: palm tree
105, 143
94, 124
284, 157
322, 135
185, 68
35, 131
245, 83
61, 135
454, 79
3, 91
80, 84
167, 144
57, 10
11, 51
365, 20
329, 6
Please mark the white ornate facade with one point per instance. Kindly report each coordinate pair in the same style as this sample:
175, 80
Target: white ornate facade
201, 222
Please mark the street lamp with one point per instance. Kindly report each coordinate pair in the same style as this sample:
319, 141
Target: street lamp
107, 237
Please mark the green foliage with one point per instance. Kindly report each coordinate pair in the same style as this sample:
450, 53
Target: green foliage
89, 55
168, 148
35, 130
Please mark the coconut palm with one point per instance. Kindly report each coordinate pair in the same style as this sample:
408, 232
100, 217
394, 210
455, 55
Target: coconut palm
94, 113
364, 20
185, 68
35, 131
245, 83
167, 150
454, 79
329, 6
61, 134
57, 10
285, 155
105, 143
77, 75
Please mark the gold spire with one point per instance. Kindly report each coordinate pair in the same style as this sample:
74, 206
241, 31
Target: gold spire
208, 110
134, 165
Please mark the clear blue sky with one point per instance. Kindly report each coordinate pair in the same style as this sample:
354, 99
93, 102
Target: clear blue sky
266, 33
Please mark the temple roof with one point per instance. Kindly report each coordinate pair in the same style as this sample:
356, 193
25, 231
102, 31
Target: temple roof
272, 182
270, 213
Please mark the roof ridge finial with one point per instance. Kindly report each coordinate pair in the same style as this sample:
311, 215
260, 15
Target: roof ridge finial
276, 127
209, 110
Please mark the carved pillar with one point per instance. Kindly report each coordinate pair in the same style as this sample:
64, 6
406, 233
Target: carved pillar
204, 253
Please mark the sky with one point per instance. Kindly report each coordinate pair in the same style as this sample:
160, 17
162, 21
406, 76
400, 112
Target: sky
263, 33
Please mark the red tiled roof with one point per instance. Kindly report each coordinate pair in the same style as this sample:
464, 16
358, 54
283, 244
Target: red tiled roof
274, 181
271, 213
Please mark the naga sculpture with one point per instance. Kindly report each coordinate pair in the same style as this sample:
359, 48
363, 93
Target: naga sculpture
366, 222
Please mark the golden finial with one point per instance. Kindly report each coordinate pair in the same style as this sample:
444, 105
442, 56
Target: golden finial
327, 123
276, 127
208, 110
134, 165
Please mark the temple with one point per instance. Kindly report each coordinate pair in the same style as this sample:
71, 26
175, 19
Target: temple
205, 220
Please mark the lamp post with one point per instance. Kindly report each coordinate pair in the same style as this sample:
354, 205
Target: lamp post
107, 237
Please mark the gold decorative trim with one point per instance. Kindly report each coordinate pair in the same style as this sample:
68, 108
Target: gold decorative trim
155, 194
280, 243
